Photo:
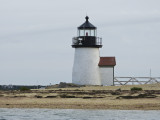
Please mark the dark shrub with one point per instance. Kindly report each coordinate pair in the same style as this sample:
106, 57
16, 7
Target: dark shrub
115, 93
136, 89
24, 89
66, 96
63, 95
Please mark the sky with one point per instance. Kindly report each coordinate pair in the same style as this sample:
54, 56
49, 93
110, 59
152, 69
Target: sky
36, 38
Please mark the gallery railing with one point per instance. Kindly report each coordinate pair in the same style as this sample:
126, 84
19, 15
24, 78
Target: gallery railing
91, 41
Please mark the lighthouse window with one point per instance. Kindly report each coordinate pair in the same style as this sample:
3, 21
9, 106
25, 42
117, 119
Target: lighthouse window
87, 33
93, 33
81, 33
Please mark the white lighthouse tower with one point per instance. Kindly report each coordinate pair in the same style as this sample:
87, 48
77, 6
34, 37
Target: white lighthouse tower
86, 57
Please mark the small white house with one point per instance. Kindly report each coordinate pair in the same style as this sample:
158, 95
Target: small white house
106, 68
89, 68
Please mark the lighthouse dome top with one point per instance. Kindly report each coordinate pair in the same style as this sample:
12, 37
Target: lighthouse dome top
87, 25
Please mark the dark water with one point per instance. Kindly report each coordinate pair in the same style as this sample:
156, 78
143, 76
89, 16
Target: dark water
77, 114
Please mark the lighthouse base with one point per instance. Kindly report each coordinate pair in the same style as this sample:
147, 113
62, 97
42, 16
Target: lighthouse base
85, 67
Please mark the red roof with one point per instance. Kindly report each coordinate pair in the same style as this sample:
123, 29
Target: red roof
107, 61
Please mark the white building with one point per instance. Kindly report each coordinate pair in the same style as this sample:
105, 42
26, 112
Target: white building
89, 68
106, 69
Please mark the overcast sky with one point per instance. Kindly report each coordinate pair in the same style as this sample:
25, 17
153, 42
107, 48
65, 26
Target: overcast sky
36, 37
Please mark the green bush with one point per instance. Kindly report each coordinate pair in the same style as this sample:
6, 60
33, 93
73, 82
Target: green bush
63, 95
24, 89
136, 89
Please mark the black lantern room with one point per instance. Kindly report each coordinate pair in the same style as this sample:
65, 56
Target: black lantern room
87, 36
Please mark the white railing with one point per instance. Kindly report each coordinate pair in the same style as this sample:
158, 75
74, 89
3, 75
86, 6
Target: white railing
135, 80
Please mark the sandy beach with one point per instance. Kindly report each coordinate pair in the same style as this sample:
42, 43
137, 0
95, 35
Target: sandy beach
92, 97
72, 103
